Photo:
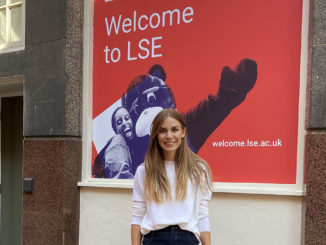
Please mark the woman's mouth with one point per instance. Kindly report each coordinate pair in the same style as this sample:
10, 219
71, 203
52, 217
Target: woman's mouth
170, 143
127, 132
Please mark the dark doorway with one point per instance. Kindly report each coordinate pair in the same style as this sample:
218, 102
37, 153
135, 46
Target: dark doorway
11, 170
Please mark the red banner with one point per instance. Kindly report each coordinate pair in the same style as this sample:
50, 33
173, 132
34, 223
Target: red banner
250, 133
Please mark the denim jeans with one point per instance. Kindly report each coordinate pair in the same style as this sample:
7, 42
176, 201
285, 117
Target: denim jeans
171, 235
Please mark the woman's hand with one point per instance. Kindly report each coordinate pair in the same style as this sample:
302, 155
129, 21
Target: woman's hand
205, 238
136, 235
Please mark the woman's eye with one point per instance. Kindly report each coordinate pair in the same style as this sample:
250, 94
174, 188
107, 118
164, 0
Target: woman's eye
119, 121
127, 117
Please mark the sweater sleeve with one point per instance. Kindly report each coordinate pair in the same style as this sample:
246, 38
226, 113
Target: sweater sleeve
203, 212
203, 216
139, 206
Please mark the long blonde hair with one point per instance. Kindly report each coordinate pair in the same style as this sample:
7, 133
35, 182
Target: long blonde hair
187, 165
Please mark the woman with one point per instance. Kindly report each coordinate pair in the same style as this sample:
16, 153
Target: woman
171, 189
117, 154
114, 160
123, 125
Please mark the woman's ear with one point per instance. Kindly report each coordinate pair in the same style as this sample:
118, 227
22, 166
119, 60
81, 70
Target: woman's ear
184, 133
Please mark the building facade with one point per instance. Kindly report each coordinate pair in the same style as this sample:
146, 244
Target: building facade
45, 87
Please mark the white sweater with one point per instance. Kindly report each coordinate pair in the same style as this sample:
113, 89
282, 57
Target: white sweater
190, 214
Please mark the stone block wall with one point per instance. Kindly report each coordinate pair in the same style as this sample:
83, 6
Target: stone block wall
315, 219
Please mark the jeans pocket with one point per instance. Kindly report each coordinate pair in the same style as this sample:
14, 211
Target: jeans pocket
193, 239
146, 239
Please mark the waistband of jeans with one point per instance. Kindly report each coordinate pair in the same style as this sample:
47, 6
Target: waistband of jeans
167, 229
170, 228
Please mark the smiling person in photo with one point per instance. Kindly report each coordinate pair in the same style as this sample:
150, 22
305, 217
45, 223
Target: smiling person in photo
117, 159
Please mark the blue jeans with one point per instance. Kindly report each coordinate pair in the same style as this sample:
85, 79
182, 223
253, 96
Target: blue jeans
171, 235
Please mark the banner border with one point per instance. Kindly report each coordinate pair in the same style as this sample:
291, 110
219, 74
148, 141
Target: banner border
297, 189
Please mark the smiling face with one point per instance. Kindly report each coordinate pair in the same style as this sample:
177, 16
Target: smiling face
123, 123
169, 137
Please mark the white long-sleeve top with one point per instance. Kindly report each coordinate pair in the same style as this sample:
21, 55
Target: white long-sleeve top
190, 214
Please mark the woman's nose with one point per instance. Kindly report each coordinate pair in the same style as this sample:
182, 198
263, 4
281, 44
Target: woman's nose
168, 134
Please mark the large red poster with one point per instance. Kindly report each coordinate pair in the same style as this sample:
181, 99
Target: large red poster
255, 124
